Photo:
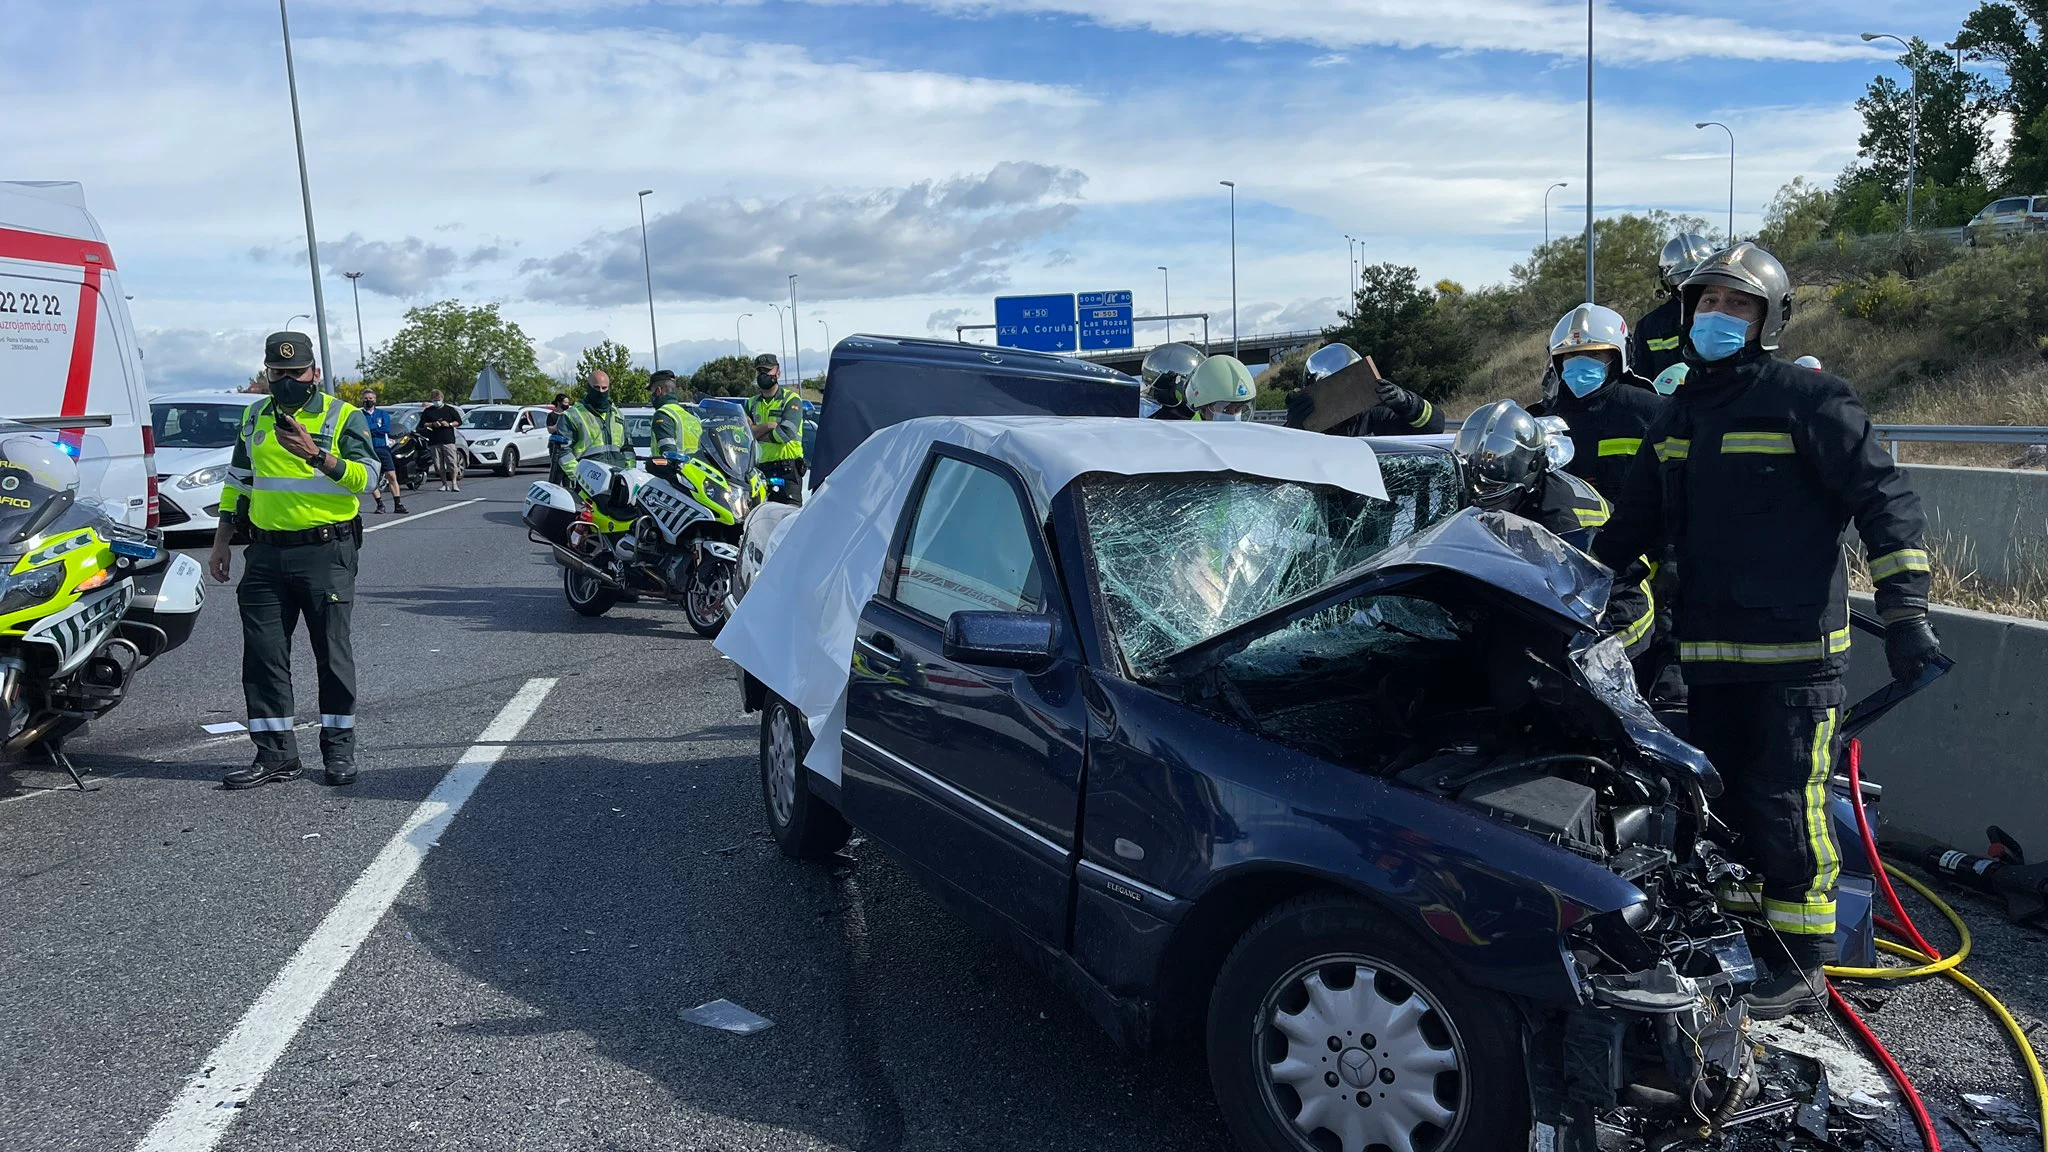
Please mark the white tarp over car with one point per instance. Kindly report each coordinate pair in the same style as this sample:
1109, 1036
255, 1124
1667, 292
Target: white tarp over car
794, 631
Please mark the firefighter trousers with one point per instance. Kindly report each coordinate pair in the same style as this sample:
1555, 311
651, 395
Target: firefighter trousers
1773, 743
282, 585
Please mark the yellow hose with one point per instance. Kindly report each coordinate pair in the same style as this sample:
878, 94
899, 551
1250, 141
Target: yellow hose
1927, 966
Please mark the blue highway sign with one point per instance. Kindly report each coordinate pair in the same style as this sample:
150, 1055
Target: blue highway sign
1036, 323
1105, 320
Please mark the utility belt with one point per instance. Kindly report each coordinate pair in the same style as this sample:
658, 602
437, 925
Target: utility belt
350, 530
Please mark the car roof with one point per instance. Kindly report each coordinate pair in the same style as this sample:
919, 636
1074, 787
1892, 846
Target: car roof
237, 398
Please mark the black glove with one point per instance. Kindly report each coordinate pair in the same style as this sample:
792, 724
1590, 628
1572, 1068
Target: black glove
1399, 400
1910, 645
1300, 406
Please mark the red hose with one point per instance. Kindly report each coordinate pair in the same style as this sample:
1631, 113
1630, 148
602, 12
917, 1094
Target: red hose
1903, 927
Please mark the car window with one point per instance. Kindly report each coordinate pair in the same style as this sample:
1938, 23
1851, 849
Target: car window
2005, 206
2041, 203
1180, 559
195, 425
487, 420
970, 547
640, 429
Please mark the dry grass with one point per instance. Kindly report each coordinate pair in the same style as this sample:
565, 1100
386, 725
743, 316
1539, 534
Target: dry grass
1958, 582
1515, 371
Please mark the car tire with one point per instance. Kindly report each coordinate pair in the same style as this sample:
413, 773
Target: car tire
1288, 1008
509, 462
586, 594
805, 827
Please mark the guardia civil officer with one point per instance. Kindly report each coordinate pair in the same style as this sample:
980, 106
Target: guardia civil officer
777, 415
592, 424
677, 431
301, 461
1751, 474
1660, 331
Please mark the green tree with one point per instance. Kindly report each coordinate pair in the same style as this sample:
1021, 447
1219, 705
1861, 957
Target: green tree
1412, 340
1800, 214
2014, 35
629, 384
725, 376
1955, 110
444, 345
1553, 280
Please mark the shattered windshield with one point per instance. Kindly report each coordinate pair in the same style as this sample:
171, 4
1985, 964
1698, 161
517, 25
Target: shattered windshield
1182, 558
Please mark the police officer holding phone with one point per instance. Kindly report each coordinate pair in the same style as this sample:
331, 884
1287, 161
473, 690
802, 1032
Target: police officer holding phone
301, 463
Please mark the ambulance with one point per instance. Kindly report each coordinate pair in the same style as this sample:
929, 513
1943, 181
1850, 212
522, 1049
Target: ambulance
68, 355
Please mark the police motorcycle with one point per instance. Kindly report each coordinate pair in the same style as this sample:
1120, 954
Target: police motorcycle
85, 601
621, 531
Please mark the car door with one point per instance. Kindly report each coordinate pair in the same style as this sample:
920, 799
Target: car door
972, 773
533, 436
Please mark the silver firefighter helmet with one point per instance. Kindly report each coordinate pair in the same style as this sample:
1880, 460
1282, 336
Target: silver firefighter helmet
1590, 328
1745, 268
1503, 452
1166, 370
1327, 361
1682, 254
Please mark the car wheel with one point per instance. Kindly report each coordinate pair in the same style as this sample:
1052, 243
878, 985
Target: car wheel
804, 826
509, 462
1333, 1029
586, 593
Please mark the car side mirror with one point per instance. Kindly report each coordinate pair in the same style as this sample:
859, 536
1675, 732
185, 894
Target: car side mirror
1021, 640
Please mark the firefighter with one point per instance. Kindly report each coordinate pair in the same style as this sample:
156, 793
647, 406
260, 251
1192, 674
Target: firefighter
301, 462
1508, 464
1398, 413
1165, 374
1659, 333
1750, 475
1221, 388
1607, 408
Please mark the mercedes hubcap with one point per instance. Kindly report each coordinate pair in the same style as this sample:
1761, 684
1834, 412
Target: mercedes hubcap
1355, 1055
781, 766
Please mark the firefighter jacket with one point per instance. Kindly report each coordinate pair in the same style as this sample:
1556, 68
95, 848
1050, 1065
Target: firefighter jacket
1750, 475
1380, 420
1606, 428
1655, 343
1575, 512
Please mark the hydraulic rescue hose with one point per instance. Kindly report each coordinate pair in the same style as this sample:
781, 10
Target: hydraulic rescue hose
1926, 960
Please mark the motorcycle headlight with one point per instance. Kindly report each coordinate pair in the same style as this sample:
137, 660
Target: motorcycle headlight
29, 588
64, 547
205, 477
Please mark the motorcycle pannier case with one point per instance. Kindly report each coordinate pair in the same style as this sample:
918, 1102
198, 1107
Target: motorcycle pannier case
549, 512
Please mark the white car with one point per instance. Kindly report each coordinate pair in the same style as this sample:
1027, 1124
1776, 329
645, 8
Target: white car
503, 436
195, 440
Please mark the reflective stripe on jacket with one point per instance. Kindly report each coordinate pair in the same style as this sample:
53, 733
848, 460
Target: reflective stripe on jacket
589, 431
1656, 342
283, 493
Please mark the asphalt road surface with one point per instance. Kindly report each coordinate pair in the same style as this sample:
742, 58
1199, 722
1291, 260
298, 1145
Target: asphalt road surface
163, 937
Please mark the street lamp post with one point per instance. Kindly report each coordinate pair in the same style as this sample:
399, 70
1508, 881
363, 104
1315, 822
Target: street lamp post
796, 333
647, 265
291, 78
1731, 171
828, 341
781, 331
300, 316
1232, 185
361, 353
1546, 209
1166, 284
738, 349
1350, 269
1589, 151
1912, 141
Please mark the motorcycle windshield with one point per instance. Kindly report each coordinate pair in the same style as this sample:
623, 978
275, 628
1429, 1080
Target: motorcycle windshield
729, 444
38, 481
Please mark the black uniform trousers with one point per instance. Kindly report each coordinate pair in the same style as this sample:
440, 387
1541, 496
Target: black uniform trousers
1773, 742
282, 584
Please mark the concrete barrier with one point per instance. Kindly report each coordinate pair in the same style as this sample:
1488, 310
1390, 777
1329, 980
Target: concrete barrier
2001, 512
1972, 750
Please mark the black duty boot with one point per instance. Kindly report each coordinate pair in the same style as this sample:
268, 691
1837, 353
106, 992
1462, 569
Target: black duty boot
1788, 991
260, 773
341, 770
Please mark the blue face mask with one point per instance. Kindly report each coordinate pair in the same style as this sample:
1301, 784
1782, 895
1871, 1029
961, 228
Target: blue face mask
1584, 375
1717, 335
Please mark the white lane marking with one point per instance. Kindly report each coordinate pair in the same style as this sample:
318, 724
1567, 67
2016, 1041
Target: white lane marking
227, 1078
410, 517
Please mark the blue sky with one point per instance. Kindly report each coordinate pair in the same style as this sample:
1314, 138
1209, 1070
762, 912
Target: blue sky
906, 160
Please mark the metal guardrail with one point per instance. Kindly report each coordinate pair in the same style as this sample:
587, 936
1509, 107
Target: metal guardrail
1896, 434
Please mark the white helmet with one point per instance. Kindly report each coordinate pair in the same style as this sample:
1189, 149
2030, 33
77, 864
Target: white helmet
1222, 381
1590, 328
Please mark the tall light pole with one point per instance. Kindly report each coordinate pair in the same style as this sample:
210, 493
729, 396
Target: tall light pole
1546, 209
1232, 185
1731, 171
1350, 270
828, 341
781, 331
647, 265
354, 290
796, 333
1166, 285
291, 79
1589, 151
1913, 141
300, 316
739, 349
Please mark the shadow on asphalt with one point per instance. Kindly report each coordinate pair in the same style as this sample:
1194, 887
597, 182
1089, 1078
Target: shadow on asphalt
541, 611
896, 1027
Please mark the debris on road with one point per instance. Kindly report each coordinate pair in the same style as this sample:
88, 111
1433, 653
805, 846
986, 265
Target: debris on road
223, 729
727, 1016
2002, 1113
